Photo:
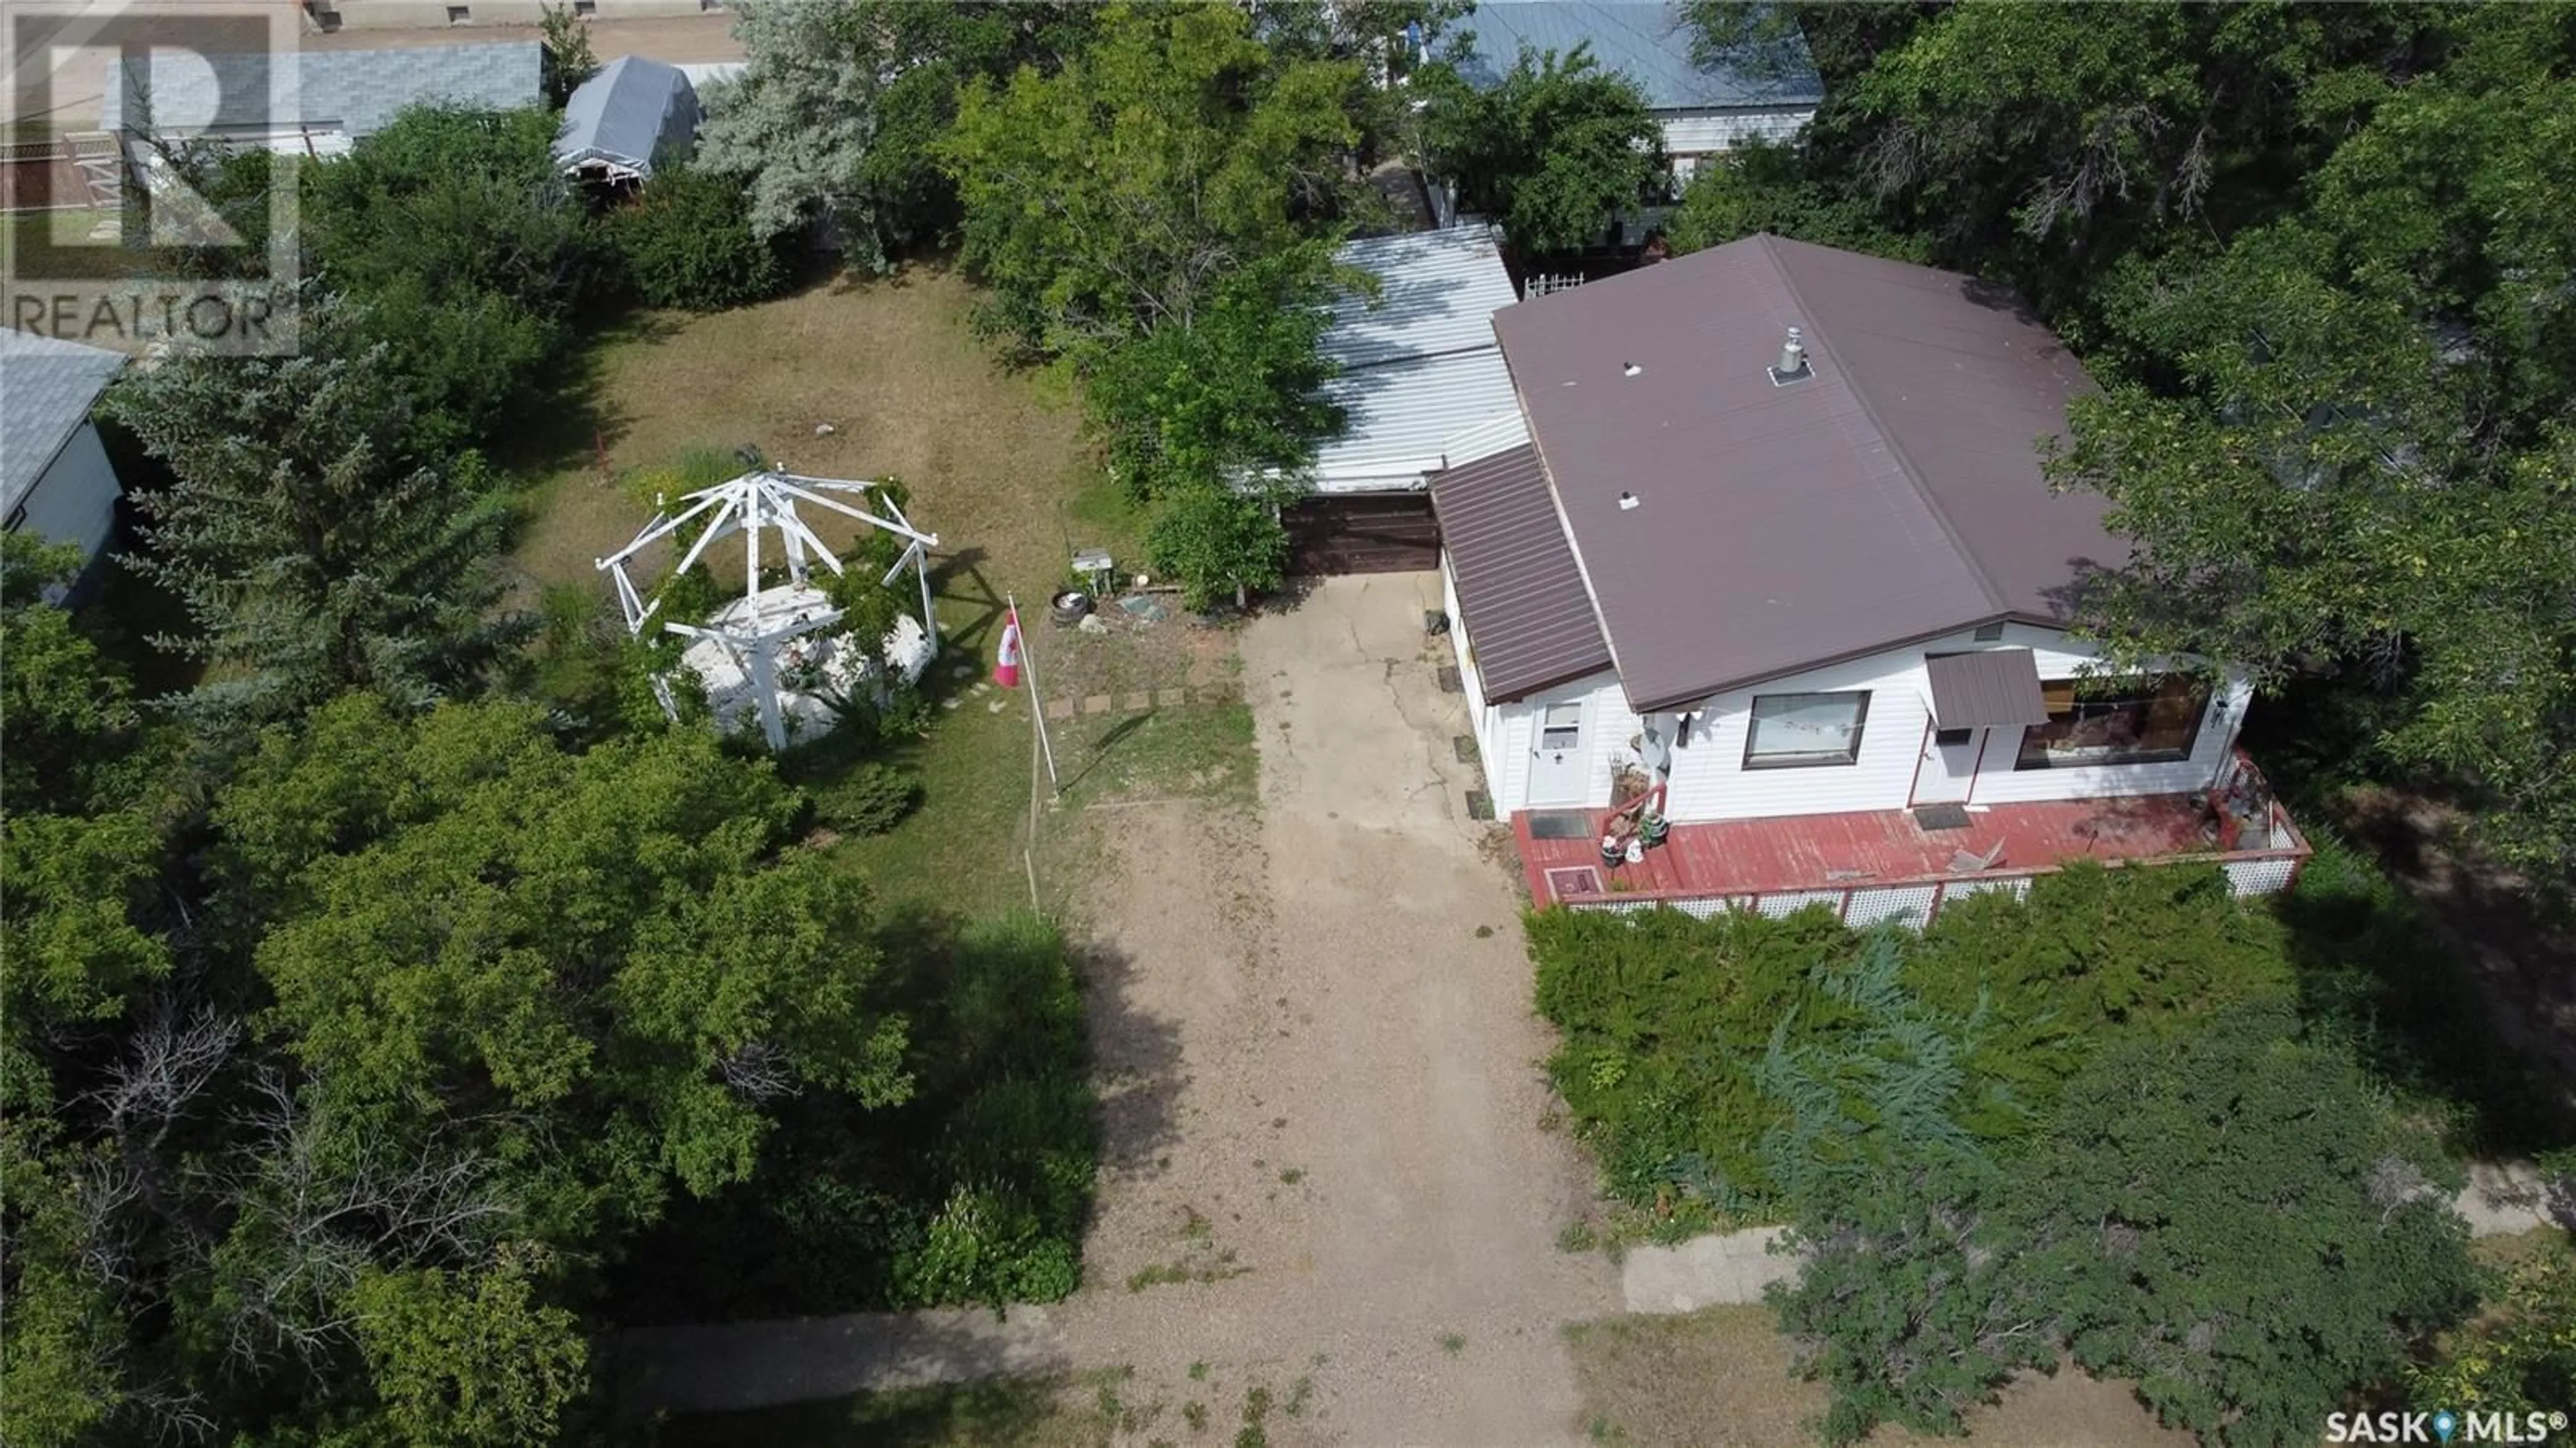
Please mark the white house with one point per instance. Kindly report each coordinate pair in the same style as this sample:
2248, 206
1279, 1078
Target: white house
317, 102
1422, 387
1705, 110
1769, 573
55, 478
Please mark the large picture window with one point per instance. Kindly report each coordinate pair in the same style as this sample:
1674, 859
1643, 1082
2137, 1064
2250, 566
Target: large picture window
1790, 730
2140, 719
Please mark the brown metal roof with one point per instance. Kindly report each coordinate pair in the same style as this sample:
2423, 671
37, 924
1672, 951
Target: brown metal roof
1529, 621
1995, 686
1894, 494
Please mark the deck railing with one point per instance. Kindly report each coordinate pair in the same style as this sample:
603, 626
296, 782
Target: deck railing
1915, 900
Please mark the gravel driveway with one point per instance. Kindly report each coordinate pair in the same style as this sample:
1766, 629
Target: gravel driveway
1325, 1170
1326, 1063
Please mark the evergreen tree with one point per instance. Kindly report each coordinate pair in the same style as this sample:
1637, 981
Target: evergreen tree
311, 552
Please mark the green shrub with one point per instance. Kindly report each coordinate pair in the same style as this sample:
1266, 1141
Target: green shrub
872, 800
685, 241
2095, 953
1665, 1018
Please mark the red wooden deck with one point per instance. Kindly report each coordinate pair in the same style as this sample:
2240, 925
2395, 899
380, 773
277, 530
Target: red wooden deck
1880, 848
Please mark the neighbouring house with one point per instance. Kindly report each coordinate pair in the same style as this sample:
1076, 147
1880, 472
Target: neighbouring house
1705, 110
55, 478
619, 124
1422, 387
329, 99
1778, 565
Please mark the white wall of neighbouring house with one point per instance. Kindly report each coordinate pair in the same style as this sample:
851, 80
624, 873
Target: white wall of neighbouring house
74, 500
1693, 136
1709, 780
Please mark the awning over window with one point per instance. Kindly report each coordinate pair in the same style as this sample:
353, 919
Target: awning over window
1993, 687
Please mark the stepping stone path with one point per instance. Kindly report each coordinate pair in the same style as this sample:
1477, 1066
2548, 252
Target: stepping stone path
1139, 701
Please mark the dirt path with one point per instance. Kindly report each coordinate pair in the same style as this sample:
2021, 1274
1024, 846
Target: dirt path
1322, 1098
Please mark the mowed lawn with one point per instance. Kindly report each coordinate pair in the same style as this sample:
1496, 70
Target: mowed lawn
995, 465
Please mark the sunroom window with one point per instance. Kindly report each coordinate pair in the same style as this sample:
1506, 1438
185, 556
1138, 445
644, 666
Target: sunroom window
2137, 719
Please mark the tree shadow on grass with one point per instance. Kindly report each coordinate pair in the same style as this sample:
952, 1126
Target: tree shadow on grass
1136, 1061
2378, 968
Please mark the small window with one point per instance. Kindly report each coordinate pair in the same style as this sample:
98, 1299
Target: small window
2134, 720
585, 7
459, 14
1791, 730
1561, 727
1992, 633
1953, 736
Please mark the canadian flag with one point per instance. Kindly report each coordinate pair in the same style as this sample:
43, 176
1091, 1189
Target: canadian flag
1006, 667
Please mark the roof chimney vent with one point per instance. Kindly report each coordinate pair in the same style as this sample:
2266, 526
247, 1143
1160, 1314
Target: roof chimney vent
1627, 502
1792, 366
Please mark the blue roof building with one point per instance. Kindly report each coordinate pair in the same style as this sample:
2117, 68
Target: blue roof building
1705, 109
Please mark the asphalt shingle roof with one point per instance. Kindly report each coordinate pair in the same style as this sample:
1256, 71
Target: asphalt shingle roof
356, 91
46, 391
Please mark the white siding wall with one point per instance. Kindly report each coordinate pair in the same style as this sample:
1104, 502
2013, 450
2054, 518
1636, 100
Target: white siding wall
75, 500
1709, 781
1607, 727
1692, 134
1483, 718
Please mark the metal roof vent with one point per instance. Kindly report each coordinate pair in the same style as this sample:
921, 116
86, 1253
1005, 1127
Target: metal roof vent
1630, 369
1627, 502
1792, 366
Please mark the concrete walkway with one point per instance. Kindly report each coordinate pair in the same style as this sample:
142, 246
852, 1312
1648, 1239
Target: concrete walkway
2501, 1200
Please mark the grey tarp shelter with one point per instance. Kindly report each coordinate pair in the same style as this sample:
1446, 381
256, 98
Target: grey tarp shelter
623, 121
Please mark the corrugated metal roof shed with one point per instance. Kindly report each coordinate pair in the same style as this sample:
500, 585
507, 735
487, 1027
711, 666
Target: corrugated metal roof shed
1893, 494
1399, 419
1420, 369
47, 388
1438, 292
1527, 616
1644, 40
1991, 687
356, 91
628, 115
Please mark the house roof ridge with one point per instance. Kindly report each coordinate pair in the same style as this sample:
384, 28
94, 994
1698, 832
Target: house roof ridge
1852, 379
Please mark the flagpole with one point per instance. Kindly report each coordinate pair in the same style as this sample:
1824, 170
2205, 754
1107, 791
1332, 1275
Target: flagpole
1037, 704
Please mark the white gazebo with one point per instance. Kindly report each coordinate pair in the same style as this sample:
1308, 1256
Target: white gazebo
773, 655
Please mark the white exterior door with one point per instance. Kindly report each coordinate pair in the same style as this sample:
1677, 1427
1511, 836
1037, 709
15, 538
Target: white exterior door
1557, 775
1949, 766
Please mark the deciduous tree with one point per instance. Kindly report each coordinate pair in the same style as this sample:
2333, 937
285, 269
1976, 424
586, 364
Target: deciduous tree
1554, 152
838, 115
1112, 197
